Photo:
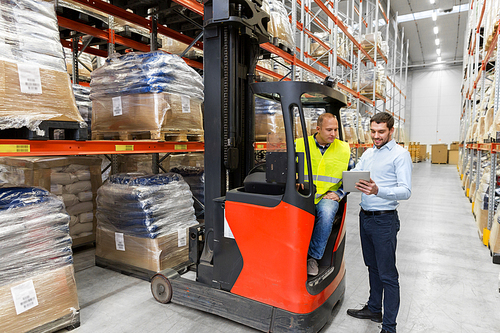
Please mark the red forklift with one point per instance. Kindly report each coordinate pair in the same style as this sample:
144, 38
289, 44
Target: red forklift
250, 255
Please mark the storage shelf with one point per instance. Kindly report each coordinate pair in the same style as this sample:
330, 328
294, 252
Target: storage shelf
98, 147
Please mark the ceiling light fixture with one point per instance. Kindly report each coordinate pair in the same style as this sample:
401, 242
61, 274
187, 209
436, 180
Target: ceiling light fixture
434, 15
436, 30
439, 59
436, 41
433, 2
438, 51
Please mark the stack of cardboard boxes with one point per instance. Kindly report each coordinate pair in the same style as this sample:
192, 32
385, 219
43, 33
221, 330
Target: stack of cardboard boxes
417, 151
440, 153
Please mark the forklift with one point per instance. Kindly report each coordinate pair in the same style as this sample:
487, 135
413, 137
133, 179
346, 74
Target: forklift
250, 254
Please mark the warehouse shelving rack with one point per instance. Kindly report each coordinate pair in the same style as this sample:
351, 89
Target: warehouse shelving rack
475, 75
335, 21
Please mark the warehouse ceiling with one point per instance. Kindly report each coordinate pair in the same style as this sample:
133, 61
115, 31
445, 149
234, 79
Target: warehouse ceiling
415, 16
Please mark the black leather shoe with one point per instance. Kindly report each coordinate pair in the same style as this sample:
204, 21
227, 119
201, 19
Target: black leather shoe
364, 313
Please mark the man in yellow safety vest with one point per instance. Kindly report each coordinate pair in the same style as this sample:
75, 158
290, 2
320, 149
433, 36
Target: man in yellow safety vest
329, 158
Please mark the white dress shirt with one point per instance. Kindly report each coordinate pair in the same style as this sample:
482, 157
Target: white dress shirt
390, 168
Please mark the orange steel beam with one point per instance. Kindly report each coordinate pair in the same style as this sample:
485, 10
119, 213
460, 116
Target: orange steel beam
89, 50
481, 17
193, 6
314, 59
383, 12
342, 61
342, 27
321, 24
357, 12
139, 20
492, 47
71, 147
270, 73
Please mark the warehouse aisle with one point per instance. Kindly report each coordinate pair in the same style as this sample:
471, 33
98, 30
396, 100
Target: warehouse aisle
448, 283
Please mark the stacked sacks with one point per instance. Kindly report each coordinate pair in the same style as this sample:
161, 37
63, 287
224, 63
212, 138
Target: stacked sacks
146, 92
143, 220
37, 284
35, 85
73, 184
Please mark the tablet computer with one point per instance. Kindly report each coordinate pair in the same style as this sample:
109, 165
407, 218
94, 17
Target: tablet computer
350, 178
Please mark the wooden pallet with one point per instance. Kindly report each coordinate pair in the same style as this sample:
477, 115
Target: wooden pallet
138, 272
182, 136
68, 322
177, 136
53, 130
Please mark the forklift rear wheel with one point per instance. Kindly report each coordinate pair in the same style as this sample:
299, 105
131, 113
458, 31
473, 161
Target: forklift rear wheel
161, 289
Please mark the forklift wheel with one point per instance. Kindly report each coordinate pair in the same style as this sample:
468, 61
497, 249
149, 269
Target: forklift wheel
161, 289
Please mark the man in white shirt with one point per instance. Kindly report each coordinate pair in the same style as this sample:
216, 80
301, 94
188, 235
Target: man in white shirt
390, 169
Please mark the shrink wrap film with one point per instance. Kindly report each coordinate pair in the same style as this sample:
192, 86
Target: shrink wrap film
268, 118
35, 262
280, 26
59, 175
143, 220
34, 85
146, 92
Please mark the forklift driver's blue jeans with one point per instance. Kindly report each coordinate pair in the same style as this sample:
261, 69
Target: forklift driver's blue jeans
378, 242
326, 210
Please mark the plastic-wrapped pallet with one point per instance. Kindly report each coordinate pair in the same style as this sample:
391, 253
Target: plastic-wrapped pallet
367, 42
75, 179
37, 284
192, 168
82, 97
348, 124
268, 118
151, 92
143, 221
279, 27
370, 78
494, 240
35, 85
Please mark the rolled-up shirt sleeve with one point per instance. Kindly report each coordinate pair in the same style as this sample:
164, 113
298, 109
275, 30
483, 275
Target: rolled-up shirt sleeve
402, 191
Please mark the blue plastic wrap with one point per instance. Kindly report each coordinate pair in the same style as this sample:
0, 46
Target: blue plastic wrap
34, 233
145, 206
152, 72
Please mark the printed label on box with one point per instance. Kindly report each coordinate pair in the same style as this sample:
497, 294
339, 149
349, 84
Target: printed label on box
186, 104
24, 296
181, 237
29, 79
119, 241
117, 106
227, 230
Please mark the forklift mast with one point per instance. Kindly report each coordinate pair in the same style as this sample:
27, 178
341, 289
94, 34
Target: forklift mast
233, 30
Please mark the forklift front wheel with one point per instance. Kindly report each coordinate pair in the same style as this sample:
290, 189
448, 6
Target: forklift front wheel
161, 289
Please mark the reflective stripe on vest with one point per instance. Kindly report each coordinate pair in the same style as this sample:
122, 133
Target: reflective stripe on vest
323, 179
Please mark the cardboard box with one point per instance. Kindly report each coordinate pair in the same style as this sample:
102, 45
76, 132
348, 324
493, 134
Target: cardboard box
146, 253
453, 157
147, 113
494, 240
423, 151
56, 102
439, 153
455, 145
57, 298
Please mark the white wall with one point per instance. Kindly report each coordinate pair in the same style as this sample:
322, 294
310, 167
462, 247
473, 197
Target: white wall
435, 105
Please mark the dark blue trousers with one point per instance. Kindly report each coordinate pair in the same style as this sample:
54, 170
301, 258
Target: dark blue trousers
378, 242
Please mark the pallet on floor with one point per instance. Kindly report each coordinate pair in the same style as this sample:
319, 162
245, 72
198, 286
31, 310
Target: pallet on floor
138, 272
53, 130
68, 323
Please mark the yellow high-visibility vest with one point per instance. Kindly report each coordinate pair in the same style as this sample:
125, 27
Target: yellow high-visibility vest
327, 167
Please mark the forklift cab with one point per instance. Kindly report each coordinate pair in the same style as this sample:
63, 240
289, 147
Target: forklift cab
253, 266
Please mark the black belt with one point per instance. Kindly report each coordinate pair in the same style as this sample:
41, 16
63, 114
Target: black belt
377, 212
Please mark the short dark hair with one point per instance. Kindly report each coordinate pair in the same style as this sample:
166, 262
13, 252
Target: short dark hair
383, 117
324, 116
